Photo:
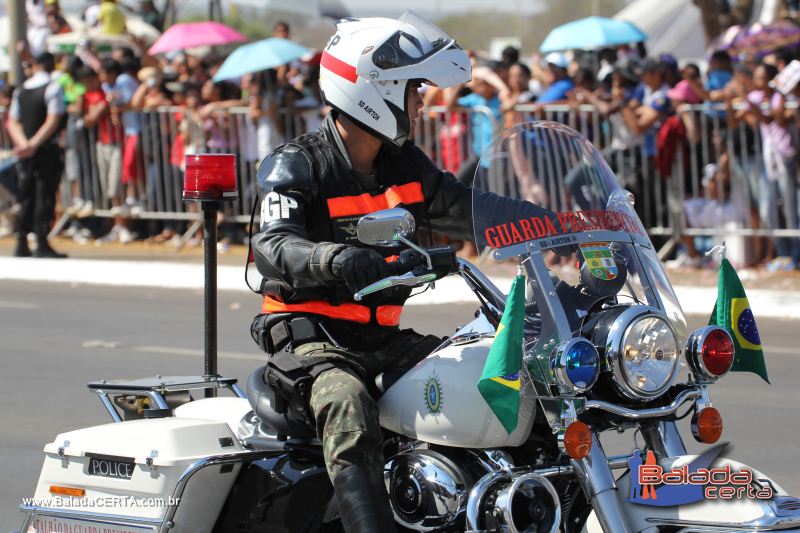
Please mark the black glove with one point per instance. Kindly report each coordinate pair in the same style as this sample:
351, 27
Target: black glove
359, 267
408, 260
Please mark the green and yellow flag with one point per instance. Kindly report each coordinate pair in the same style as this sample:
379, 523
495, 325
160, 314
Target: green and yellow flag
499, 384
732, 312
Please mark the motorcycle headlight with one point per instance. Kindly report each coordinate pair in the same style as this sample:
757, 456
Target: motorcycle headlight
643, 354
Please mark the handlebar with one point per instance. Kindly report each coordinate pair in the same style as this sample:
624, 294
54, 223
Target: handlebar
436, 263
641, 414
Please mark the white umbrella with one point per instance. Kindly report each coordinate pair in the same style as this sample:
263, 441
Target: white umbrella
137, 27
65, 43
134, 25
672, 26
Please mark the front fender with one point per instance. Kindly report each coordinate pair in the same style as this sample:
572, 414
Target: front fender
782, 512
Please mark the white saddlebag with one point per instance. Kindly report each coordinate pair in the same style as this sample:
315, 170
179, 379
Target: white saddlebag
131, 469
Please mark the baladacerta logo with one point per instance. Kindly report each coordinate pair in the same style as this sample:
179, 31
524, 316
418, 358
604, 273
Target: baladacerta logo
652, 484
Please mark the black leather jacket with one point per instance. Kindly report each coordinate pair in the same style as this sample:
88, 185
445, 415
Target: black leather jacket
312, 200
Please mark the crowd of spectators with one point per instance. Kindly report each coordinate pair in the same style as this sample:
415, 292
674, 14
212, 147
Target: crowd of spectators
735, 122
649, 107
114, 142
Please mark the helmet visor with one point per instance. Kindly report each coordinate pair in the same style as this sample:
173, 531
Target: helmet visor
414, 41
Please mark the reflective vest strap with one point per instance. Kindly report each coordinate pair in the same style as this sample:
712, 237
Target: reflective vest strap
410, 193
385, 315
388, 315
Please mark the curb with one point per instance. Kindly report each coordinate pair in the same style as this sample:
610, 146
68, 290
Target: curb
451, 290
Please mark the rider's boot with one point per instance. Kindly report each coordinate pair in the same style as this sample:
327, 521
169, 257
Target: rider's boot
362, 508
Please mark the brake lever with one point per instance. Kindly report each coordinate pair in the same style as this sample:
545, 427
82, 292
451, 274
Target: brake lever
408, 279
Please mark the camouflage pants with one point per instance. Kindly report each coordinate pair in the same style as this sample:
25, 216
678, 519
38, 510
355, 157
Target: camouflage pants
346, 413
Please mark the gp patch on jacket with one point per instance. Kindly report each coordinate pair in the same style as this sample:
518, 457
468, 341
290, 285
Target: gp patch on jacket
311, 202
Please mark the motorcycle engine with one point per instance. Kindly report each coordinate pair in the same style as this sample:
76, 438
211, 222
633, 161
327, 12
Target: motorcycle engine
427, 490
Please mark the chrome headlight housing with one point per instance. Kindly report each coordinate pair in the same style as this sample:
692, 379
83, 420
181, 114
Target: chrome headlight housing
643, 354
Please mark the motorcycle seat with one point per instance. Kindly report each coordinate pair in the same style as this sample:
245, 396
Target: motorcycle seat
261, 398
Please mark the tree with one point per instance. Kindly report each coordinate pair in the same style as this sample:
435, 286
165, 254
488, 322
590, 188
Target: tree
717, 15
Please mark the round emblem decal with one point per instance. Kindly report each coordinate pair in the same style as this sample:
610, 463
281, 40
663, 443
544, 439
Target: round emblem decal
433, 395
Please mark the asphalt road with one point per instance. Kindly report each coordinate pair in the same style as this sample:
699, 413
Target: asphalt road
54, 338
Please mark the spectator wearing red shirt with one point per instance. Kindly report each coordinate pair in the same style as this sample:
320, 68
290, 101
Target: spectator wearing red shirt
96, 114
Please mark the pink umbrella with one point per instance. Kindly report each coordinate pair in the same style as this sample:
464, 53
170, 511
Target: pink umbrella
192, 34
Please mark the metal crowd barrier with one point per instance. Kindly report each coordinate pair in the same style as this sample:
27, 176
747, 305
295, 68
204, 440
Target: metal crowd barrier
677, 190
167, 135
448, 137
631, 158
704, 173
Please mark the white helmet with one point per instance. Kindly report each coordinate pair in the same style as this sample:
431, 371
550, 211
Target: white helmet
367, 65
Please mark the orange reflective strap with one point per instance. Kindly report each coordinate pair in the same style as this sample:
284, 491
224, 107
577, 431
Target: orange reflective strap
388, 315
345, 311
385, 315
343, 206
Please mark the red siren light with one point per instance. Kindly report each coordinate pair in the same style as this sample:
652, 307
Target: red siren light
210, 178
717, 352
710, 352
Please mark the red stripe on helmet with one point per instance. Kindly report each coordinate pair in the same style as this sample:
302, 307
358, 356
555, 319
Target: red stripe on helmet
338, 67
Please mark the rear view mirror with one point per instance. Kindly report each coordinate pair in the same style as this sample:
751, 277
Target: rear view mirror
386, 227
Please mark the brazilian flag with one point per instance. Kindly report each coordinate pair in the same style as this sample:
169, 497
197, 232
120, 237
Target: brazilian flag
732, 312
499, 384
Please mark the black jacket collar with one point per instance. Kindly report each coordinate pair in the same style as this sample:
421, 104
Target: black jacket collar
384, 157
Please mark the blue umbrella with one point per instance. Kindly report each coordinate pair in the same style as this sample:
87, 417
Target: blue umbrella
591, 33
260, 55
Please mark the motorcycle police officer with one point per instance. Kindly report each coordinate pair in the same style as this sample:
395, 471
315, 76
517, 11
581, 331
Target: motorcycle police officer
314, 190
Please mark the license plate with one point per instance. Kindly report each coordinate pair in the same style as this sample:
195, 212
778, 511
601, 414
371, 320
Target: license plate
47, 524
109, 466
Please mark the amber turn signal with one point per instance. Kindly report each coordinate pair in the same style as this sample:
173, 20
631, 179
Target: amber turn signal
67, 491
578, 440
707, 425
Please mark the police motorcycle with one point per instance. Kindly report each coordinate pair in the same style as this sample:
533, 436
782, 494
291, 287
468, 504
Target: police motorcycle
604, 344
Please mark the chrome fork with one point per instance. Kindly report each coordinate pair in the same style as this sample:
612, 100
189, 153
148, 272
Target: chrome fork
597, 482
663, 438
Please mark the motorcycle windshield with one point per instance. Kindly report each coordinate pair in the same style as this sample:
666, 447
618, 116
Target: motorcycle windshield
547, 205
